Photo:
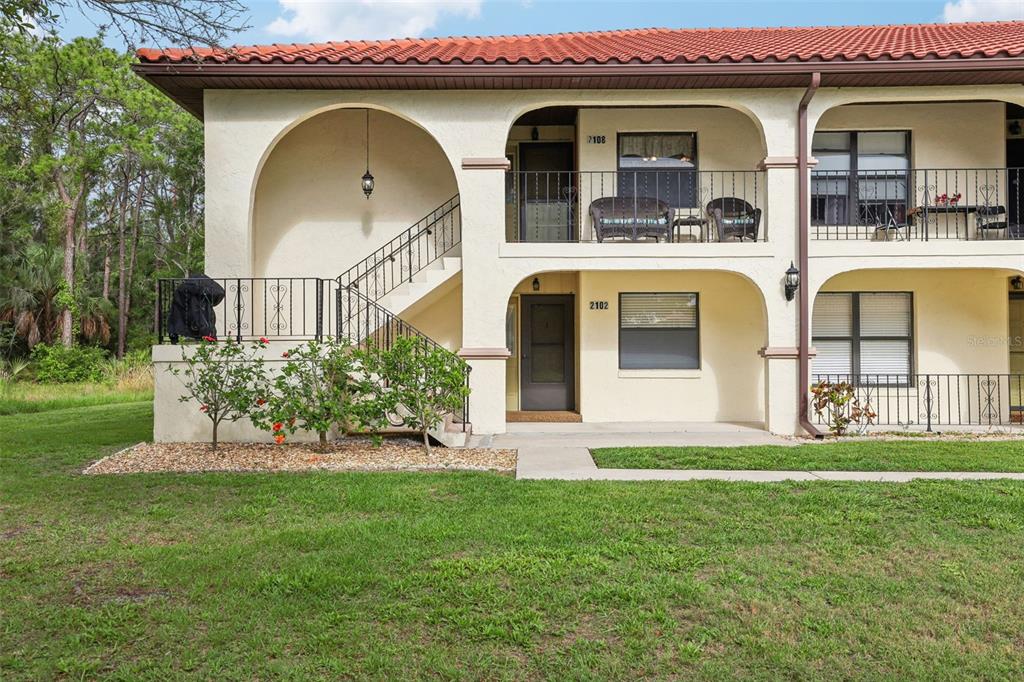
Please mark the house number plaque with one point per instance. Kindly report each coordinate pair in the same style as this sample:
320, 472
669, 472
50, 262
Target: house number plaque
596, 139
599, 305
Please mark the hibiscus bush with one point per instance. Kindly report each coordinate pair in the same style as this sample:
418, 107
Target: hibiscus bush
313, 391
225, 378
415, 382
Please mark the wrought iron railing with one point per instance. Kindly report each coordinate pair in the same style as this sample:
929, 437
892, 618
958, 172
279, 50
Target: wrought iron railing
284, 308
636, 205
415, 248
918, 204
936, 400
364, 322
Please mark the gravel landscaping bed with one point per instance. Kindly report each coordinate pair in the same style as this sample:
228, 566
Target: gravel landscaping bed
353, 454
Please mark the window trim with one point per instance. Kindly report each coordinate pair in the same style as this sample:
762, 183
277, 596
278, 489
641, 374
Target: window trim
852, 185
697, 327
856, 338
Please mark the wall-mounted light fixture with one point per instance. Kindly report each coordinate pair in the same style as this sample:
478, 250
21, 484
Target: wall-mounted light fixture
792, 281
1017, 283
536, 284
534, 134
367, 179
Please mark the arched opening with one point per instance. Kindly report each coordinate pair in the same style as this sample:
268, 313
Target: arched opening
925, 347
635, 173
636, 346
310, 214
918, 170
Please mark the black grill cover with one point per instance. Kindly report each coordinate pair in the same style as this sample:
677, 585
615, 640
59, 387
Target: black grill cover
192, 305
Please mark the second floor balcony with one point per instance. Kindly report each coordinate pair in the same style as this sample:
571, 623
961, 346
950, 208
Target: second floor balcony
636, 205
917, 204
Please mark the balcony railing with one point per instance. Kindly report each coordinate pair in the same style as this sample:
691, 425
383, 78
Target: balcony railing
937, 400
635, 206
918, 204
283, 308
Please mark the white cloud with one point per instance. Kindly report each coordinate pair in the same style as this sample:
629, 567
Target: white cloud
983, 10
320, 20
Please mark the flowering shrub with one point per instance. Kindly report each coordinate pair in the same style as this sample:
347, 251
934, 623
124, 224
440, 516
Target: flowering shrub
313, 391
837, 403
417, 382
226, 379
948, 199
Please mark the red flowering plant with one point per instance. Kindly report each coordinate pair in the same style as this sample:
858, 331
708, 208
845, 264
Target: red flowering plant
312, 391
226, 378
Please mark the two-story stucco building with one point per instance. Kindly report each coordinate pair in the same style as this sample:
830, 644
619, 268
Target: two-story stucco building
633, 226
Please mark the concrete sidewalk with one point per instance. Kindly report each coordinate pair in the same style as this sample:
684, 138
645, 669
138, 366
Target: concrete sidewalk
576, 464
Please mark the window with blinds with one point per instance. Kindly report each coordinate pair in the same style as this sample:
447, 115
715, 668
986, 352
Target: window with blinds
862, 336
659, 331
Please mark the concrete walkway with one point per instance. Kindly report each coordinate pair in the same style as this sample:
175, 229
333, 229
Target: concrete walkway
576, 464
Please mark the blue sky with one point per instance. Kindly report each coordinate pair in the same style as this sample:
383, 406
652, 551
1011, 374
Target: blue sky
315, 20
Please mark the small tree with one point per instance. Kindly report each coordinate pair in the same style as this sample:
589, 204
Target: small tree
226, 379
313, 391
838, 404
419, 383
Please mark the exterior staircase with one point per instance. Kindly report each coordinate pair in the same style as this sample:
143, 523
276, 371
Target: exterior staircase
374, 292
424, 282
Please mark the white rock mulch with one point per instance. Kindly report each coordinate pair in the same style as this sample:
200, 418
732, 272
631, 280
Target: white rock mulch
352, 454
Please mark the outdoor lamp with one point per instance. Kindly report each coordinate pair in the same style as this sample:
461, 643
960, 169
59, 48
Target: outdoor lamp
792, 281
1017, 283
367, 181
536, 284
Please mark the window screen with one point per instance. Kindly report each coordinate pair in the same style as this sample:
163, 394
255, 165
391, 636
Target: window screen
659, 331
866, 337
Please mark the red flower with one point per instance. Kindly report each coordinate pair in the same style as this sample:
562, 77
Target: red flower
209, 338
278, 426
278, 438
284, 354
264, 340
261, 401
204, 408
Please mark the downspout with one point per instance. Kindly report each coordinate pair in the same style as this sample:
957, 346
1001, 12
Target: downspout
803, 351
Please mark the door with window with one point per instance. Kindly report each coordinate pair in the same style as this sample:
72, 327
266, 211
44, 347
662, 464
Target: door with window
547, 353
547, 190
861, 178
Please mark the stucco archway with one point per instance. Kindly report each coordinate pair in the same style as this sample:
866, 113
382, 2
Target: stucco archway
309, 214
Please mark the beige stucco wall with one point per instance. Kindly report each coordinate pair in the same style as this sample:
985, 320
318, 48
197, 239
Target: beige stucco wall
242, 126
310, 214
959, 316
727, 387
946, 135
440, 317
727, 139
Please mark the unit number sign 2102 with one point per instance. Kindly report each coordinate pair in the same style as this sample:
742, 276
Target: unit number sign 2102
599, 305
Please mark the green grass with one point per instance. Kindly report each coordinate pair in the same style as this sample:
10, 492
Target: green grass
850, 456
24, 397
474, 575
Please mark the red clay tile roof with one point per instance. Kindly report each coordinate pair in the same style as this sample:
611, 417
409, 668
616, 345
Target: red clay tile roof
654, 45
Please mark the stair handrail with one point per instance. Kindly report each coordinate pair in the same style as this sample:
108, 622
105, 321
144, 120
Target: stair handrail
382, 271
367, 322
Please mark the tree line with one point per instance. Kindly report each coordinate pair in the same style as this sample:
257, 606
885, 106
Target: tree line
101, 192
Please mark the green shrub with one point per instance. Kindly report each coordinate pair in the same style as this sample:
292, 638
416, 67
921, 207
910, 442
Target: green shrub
59, 365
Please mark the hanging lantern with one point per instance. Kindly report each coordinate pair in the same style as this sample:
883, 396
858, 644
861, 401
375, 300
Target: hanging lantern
367, 179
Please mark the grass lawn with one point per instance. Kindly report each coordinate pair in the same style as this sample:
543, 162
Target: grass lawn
475, 575
849, 456
22, 397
